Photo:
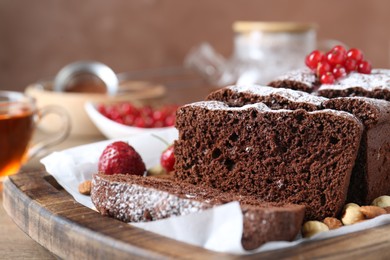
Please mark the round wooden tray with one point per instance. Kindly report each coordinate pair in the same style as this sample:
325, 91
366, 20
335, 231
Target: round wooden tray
50, 216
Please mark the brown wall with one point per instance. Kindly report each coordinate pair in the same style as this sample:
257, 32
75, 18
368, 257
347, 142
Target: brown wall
39, 37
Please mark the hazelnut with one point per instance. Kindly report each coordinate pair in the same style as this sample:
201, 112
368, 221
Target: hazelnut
332, 223
312, 227
352, 214
382, 201
156, 170
85, 187
372, 211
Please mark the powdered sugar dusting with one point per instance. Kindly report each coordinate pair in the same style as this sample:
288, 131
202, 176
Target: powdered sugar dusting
218, 105
339, 113
378, 79
304, 76
135, 203
292, 95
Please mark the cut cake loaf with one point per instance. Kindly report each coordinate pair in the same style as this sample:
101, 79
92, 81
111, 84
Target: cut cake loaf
371, 173
292, 156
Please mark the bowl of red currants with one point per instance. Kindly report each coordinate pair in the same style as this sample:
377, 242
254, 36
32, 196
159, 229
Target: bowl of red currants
121, 119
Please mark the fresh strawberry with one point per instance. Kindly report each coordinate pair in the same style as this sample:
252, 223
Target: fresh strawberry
167, 158
120, 157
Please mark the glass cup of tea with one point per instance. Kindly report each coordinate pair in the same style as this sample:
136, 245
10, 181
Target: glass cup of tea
19, 118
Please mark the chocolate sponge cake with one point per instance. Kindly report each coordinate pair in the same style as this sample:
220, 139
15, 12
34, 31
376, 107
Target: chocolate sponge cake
301, 79
292, 156
374, 85
133, 198
371, 174
274, 98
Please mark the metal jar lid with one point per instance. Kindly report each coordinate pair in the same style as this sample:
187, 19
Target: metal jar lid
293, 27
97, 69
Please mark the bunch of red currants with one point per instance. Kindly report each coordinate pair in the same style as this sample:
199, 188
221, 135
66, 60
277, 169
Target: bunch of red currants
337, 63
145, 116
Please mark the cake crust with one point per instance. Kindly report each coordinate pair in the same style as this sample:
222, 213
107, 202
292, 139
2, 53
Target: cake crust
274, 98
374, 85
301, 79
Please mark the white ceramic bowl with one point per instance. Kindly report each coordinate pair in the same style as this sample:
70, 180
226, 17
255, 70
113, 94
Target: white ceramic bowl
134, 91
112, 129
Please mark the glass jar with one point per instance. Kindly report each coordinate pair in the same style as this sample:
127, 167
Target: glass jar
264, 50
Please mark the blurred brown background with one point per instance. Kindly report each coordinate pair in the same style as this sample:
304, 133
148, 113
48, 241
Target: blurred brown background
37, 38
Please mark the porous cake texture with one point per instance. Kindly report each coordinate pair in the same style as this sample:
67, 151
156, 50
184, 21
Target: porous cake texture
290, 156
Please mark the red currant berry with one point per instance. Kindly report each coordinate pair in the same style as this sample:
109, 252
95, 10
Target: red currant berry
350, 65
364, 67
101, 108
128, 109
170, 120
147, 111
128, 114
322, 68
327, 78
129, 120
158, 124
339, 72
339, 48
313, 58
335, 57
119, 120
158, 115
355, 54
139, 122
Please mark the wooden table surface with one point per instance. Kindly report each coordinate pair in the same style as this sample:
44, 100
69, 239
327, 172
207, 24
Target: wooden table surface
183, 87
14, 244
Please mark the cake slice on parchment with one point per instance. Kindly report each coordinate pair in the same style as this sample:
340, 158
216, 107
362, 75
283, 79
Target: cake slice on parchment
132, 198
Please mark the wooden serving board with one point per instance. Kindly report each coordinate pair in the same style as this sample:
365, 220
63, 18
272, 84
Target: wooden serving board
50, 216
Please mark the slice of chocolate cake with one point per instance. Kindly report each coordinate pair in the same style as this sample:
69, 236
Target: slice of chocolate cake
290, 156
274, 98
133, 198
302, 79
371, 174
374, 85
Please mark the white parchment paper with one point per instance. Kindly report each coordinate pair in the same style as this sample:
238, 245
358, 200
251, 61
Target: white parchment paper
217, 229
